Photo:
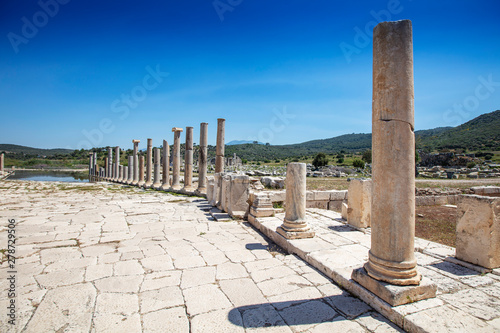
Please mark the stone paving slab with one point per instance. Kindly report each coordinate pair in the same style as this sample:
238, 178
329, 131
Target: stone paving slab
468, 296
111, 258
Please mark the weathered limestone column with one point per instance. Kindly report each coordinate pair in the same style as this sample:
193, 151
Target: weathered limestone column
2, 158
120, 174
94, 168
117, 164
166, 167
176, 168
106, 168
391, 257
188, 161
135, 179
109, 173
219, 153
125, 174
157, 180
91, 164
149, 164
130, 170
295, 225
141, 181
202, 159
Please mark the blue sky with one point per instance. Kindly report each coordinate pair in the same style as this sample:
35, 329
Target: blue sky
75, 74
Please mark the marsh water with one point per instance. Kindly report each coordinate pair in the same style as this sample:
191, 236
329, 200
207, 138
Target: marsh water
50, 176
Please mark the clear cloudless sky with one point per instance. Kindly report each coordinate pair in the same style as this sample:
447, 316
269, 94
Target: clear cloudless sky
75, 74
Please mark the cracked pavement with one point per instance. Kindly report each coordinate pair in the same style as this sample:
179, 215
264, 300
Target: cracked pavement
110, 258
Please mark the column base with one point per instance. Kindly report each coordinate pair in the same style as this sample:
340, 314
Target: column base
164, 187
176, 187
156, 186
141, 183
189, 189
295, 234
395, 294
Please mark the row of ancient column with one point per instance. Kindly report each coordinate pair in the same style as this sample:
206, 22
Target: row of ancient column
133, 173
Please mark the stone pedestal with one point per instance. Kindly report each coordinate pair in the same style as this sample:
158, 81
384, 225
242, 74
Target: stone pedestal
135, 179
202, 159
157, 179
149, 164
188, 161
130, 170
391, 256
176, 167
478, 230
294, 225
359, 203
219, 151
141, 171
117, 164
238, 196
210, 190
166, 167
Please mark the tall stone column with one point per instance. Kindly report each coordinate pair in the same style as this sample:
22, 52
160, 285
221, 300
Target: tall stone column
109, 174
157, 180
135, 178
117, 164
149, 164
391, 257
94, 168
219, 152
188, 161
141, 181
130, 170
2, 158
91, 164
176, 168
295, 225
202, 159
166, 167
106, 168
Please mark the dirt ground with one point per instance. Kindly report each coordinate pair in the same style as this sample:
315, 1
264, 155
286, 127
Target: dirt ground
437, 224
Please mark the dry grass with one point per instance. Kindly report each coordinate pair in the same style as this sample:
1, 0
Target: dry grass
437, 224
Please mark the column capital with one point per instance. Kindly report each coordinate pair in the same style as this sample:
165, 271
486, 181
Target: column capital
177, 129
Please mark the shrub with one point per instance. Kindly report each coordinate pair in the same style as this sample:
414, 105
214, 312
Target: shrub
367, 156
471, 164
358, 164
320, 160
340, 160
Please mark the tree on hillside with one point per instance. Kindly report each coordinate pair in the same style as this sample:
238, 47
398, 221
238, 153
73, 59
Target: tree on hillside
320, 160
367, 156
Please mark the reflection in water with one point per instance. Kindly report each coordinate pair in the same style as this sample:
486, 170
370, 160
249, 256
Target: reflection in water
51, 176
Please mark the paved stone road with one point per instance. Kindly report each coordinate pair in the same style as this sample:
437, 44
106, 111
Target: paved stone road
102, 258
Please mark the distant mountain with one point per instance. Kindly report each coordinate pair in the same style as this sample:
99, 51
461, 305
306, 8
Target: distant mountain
17, 149
241, 142
481, 133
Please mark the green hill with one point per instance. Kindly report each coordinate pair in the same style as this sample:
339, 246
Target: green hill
16, 149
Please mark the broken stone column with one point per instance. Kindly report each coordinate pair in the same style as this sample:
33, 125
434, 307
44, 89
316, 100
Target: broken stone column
210, 190
238, 196
149, 164
176, 168
202, 159
188, 161
157, 180
117, 164
391, 259
130, 170
295, 225
141, 181
135, 179
219, 152
359, 203
478, 230
166, 167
